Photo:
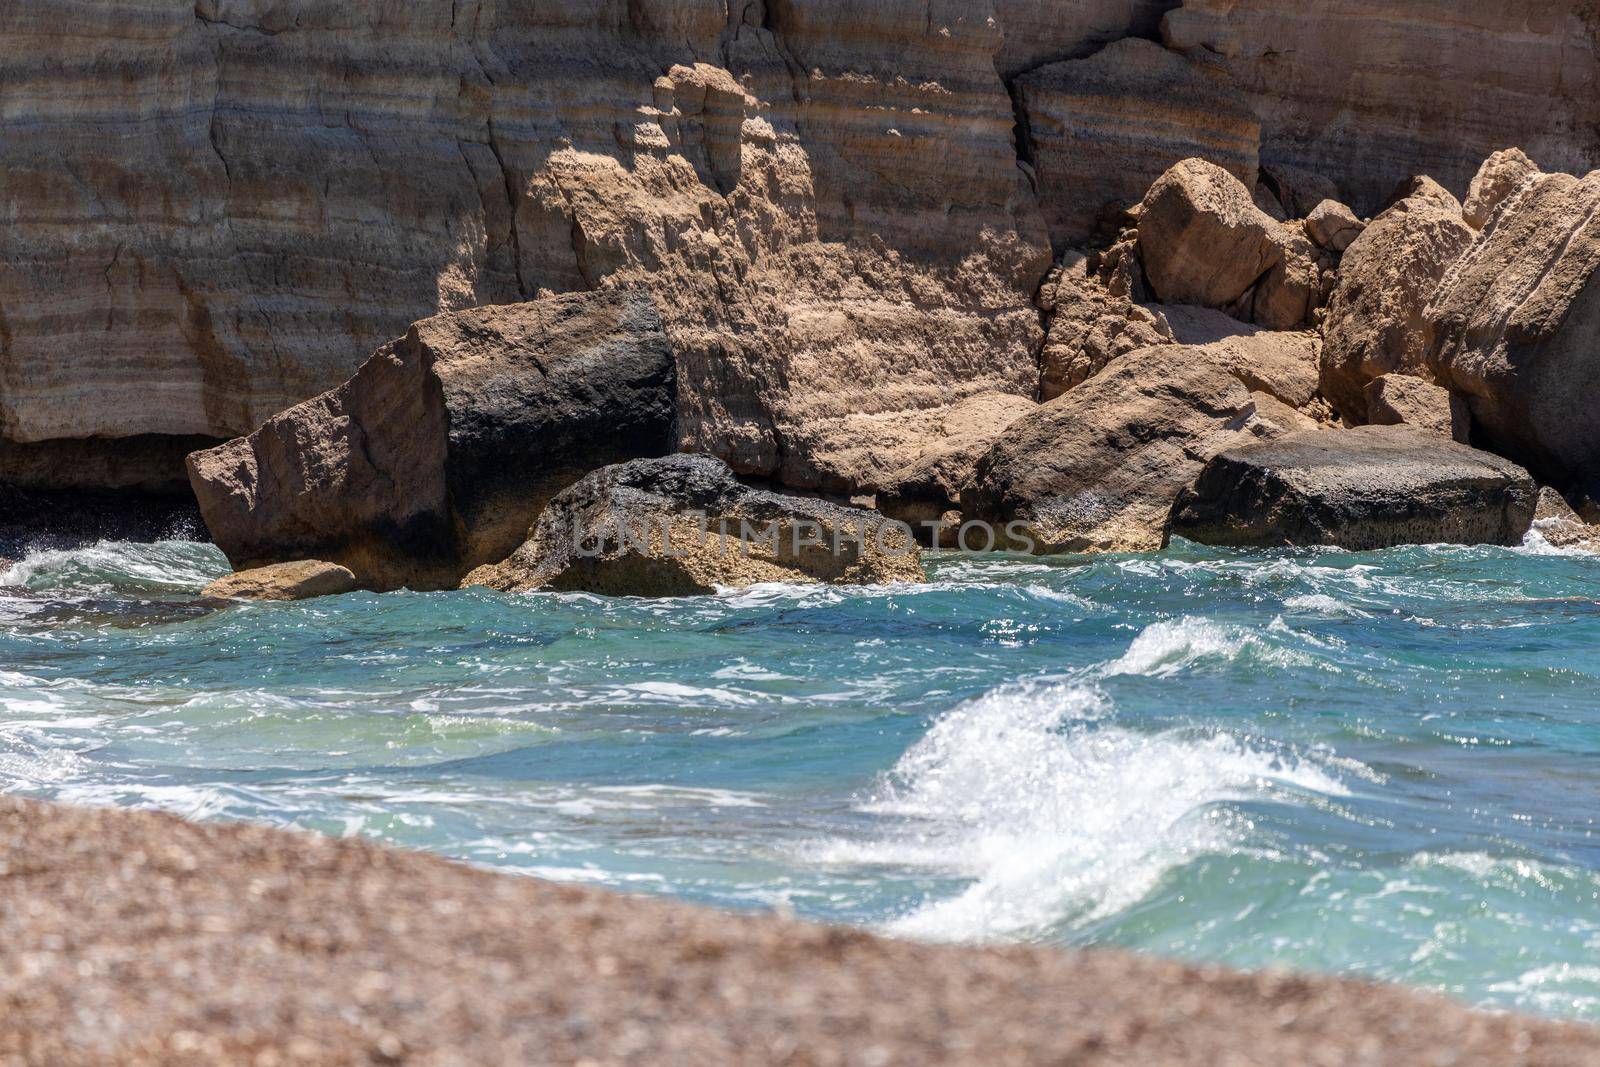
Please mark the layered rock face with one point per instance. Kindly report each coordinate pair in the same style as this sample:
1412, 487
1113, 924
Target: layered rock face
1514, 326
217, 210
1368, 488
1369, 92
438, 454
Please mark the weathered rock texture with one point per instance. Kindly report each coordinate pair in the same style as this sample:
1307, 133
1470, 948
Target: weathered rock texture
1514, 329
1203, 241
684, 525
1375, 322
928, 489
300, 580
1098, 468
137, 939
216, 210
436, 457
1087, 326
1401, 400
1100, 130
1369, 92
1368, 488
1560, 526
1501, 176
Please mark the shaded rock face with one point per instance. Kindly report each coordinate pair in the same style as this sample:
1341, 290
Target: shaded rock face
1098, 468
1368, 488
684, 525
239, 200
1203, 241
1375, 322
438, 454
300, 580
1514, 326
1100, 130
928, 489
1368, 92
1401, 400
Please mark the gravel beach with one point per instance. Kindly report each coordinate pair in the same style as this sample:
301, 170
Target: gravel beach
139, 938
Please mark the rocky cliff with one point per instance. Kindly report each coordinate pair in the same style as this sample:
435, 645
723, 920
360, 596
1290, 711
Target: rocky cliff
216, 209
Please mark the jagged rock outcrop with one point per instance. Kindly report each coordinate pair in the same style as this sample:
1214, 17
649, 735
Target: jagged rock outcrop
1501, 176
1401, 400
438, 454
1088, 325
1098, 468
1369, 92
1100, 130
301, 580
684, 525
1203, 241
217, 210
1513, 330
1374, 323
927, 491
1560, 525
1368, 488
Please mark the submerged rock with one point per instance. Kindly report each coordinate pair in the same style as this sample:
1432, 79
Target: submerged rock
684, 525
436, 457
1375, 322
1514, 329
301, 580
1368, 488
1098, 468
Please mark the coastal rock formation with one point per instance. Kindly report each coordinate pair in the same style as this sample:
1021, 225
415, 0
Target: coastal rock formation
1098, 468
1513, 330
1368, 92
1368, 488
1100, 130
300, 580
1088, 326
438, 454
1560, 526
1374, 323
1501, 176
1297, 191
928, 489
684, 525
1203, 241
1401, 400
217, 210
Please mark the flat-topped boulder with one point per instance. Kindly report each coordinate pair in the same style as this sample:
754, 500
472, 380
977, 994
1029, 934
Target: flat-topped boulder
1368, 488
684, 525
437, 456
303, 579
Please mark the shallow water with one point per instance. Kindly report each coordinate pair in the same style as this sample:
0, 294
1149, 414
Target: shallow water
1385, 765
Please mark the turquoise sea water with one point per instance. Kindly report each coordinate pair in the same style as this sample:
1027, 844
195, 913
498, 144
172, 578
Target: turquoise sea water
1385, 765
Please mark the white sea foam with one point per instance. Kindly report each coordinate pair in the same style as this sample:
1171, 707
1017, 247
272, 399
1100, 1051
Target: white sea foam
1169, 647
1055, 815
179, 566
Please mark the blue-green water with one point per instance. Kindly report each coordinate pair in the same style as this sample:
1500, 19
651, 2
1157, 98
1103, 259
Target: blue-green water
1384, 765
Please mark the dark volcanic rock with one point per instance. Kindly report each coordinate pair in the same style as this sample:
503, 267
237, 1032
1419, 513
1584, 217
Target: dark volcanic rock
685, 525
1368, 488
437, 456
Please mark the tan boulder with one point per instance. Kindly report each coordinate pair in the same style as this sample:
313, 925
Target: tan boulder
1087, 326
928, 489
1280, 363
1401, 400
1098, 468
1502, 175
1202, 240
1101, 129
1513, 330
684, 525
1374, 323
1333, 226
1423, 187
300, 580
438, 454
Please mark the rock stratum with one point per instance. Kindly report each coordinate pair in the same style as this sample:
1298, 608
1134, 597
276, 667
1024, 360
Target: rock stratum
844, 212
